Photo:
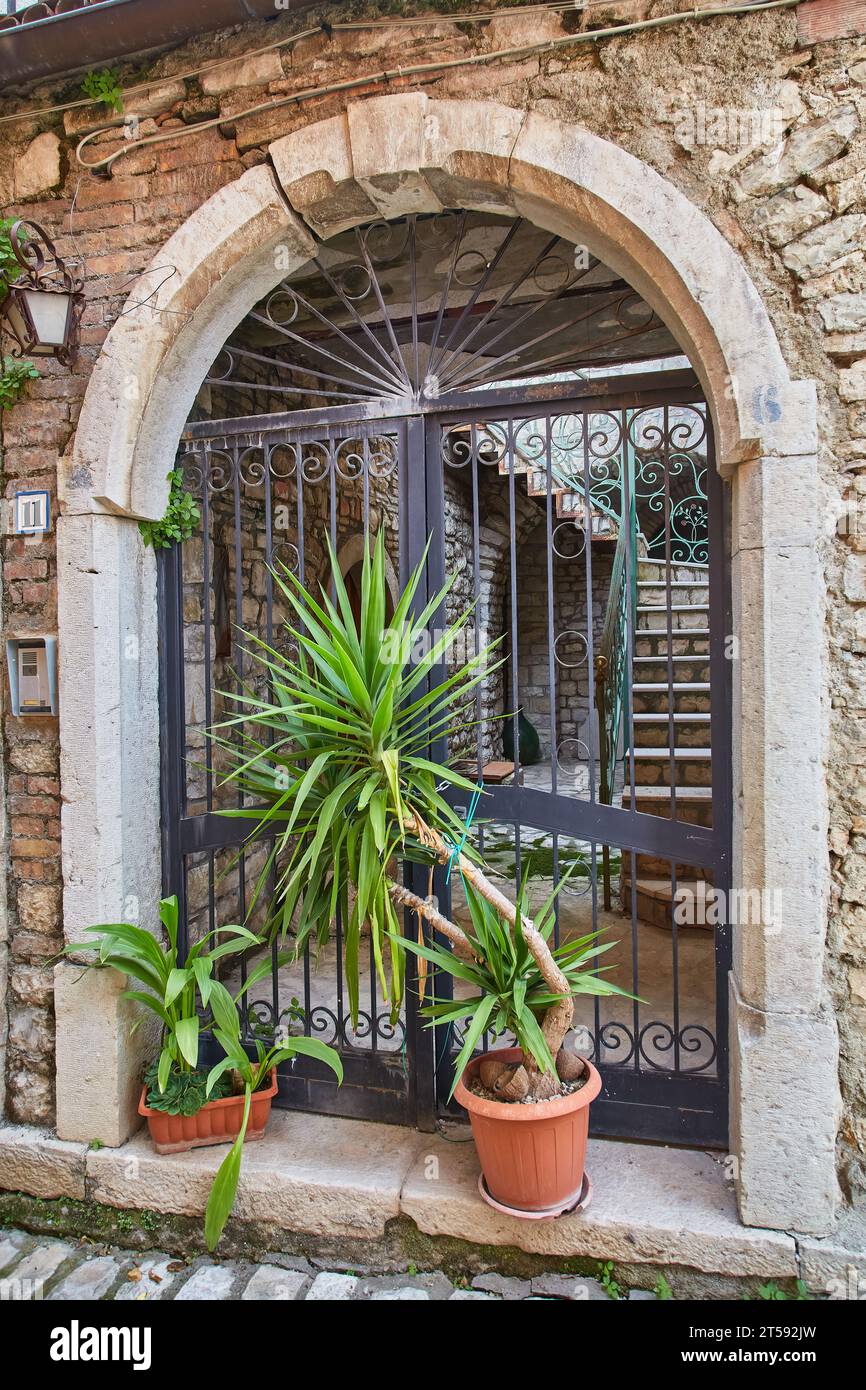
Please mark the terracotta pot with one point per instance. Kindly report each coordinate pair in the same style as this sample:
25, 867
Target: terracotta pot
218, 1121
532, 1156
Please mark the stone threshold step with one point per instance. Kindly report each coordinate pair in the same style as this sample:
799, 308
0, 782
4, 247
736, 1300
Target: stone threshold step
672, 608
339, 1179
656, 632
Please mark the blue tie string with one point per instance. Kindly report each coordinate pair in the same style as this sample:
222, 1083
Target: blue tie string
457, 849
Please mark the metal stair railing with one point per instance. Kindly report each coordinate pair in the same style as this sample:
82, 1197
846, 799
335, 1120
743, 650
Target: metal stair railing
612, 657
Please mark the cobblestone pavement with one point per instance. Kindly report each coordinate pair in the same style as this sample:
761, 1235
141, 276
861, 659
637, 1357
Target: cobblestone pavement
44, 1267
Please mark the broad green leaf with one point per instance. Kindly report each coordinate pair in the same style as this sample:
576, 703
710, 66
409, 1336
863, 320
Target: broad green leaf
225, 1185
186, 1032
177, 981
314, 1047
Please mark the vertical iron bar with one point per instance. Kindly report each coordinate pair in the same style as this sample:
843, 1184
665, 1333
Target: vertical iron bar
721, 623
267, 483
631, 565
669, 626
551, 636
302, 577
239, 665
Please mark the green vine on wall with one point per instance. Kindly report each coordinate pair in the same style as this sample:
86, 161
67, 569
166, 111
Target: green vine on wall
13, 378
14, 373
103, 86
10, 266
180, 520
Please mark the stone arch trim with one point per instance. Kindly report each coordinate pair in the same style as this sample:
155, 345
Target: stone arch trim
384, 157
388, 156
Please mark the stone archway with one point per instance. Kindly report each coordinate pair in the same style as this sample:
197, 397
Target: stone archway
388, 156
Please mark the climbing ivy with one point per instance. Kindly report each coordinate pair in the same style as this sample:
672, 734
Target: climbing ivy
13, 378
10, 266
104, 86
181, 516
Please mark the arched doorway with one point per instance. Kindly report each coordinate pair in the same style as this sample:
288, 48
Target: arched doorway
474, 382
234, 250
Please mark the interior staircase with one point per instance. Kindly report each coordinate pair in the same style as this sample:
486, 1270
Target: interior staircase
568, 502
655, 694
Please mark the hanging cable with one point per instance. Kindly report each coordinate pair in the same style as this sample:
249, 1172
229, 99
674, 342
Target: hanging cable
104, 165
405, 21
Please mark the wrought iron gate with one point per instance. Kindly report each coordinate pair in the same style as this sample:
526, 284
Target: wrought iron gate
561, 514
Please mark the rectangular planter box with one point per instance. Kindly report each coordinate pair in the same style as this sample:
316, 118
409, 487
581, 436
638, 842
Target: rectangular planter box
218, 1122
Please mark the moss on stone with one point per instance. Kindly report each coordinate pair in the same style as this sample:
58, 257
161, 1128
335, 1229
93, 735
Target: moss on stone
402, 1246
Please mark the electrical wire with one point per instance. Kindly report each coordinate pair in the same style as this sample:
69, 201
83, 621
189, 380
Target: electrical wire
577, 6
104, 166
397, 21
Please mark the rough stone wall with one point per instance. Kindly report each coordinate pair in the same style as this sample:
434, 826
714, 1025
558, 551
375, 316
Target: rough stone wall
571, 650
759, 128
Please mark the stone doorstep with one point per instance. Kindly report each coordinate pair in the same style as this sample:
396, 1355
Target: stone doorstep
347, 1178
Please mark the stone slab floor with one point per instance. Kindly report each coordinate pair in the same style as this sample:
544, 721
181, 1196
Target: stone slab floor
57, 1270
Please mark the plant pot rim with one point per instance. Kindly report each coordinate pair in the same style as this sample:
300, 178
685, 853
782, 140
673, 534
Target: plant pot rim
264, 1091
513, 1110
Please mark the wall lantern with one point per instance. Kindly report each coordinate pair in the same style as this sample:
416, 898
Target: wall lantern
43, 303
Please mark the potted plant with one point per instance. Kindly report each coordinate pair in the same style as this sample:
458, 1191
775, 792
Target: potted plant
185, 1105
531, 1137
336, 758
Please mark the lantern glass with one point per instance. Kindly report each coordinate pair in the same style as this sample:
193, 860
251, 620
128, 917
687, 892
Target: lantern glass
48, 312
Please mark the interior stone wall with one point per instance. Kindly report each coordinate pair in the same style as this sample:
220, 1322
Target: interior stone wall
757, 125
573, 673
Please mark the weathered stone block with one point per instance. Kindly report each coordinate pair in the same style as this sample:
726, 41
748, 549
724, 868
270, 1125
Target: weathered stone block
818, 249
35, 1162
103, 1044
785, 1065
39, 908
809, 147
38, 169
790, 214
844, 313
852, 381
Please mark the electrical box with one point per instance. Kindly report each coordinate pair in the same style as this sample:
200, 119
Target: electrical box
32, 665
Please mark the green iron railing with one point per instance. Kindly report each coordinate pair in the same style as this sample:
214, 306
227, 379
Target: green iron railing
612, 658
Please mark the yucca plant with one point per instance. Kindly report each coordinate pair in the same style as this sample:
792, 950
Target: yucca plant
334, 761
513, 996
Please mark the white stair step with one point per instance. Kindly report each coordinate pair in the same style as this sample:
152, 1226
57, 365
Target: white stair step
656, 793
677, 718
674, 608
646, 686
661, 657
674, 584
678, 631
663, 754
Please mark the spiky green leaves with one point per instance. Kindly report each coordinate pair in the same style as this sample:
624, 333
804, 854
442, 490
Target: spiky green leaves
510, 995
333, 757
